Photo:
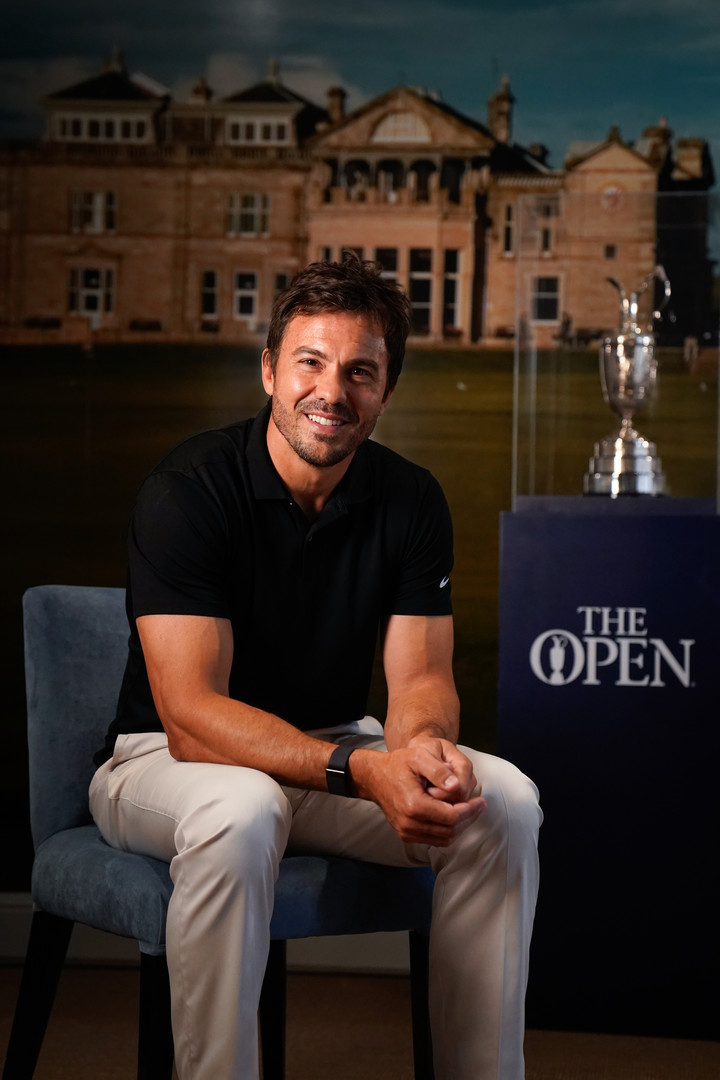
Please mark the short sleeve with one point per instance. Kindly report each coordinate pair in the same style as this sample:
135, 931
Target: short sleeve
178, 549
423, 581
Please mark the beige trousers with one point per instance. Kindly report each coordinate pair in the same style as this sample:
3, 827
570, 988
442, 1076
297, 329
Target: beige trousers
224, 829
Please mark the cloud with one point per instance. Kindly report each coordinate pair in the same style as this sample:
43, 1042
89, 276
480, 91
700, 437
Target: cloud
312, 76
229, 72
576, 66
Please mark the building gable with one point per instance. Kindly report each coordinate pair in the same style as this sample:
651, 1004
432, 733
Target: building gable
609, 156
405, 118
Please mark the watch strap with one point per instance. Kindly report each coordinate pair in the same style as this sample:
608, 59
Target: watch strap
337, 774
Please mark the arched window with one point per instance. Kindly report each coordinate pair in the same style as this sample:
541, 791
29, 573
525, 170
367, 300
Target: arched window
357, 179
451, 178
390, 178
422, 171
401, 127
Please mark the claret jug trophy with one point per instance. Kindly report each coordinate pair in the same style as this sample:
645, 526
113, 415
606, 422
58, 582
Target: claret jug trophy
624, 462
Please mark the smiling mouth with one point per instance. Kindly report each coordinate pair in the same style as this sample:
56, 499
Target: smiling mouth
325, 421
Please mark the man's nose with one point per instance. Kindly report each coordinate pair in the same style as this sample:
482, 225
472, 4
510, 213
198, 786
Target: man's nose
330, 385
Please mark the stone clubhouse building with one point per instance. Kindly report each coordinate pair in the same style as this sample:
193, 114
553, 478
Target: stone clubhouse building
138, 217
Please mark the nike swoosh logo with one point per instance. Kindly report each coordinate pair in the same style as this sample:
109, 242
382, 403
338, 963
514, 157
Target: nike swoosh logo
444, 582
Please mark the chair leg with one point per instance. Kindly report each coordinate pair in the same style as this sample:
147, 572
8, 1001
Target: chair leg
156, 1052
419, 981
44, 959
273, 1008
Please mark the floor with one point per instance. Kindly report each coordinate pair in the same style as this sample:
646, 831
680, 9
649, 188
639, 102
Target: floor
340, 1027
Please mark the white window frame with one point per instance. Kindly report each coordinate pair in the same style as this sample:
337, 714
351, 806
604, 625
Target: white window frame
248, 213
451, 276
125, 128
548, 211
388, 275
244, 293
508, 230
92, 301
281, 280
209, 290
92, 211
538, 296
248, 130
401, 126
418, 276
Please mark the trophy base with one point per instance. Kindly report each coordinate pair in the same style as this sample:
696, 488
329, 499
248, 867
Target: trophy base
625, 466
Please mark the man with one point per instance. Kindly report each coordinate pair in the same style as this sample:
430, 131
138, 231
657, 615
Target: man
264, 561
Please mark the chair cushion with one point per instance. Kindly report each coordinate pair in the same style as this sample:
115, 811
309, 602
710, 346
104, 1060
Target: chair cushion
317, 895
78, 876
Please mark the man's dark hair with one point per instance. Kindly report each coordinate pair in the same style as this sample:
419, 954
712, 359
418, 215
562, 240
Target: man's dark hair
352, 285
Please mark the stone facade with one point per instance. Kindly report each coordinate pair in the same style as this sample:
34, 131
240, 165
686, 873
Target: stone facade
138, 217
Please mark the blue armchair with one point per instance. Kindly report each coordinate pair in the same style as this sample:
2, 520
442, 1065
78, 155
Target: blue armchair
75, 648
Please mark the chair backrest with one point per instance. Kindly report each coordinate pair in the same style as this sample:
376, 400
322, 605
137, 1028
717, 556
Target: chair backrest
75, 652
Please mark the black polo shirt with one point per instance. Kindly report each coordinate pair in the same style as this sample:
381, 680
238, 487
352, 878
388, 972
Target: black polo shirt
215, 532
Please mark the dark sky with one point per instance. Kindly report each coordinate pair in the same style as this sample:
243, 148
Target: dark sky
576, 68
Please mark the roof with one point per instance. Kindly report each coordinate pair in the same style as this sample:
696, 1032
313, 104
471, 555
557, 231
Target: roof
268, 93
111, 86
455, 114
501, 157
578, 152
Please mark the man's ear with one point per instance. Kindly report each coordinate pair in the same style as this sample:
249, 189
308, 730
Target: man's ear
268, 379
386, 399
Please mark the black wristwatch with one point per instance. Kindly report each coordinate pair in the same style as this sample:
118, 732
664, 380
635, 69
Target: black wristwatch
337, 774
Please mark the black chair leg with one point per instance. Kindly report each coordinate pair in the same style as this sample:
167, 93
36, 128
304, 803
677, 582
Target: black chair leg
419, 982
44, 959
155, 1039
273, 1008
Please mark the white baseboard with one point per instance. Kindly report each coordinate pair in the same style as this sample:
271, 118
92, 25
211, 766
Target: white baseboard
360, 953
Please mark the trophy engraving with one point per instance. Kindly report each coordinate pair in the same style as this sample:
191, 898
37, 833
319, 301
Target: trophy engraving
624, 462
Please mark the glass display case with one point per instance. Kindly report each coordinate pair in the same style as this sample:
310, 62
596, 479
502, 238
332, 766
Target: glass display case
616, 345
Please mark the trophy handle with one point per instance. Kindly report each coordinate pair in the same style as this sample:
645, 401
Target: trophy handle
659, 273
629, 302
624, 299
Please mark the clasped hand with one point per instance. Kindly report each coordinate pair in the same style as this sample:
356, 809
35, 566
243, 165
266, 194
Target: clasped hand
427, 790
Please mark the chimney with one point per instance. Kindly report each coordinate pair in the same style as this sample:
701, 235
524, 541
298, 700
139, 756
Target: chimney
539, 152
500, 106
336, 104
690, 156
115, 62
201, 92
660, 131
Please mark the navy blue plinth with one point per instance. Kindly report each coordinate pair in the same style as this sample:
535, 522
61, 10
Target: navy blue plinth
609, 698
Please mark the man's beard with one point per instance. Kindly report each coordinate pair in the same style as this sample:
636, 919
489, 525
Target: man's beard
314, 448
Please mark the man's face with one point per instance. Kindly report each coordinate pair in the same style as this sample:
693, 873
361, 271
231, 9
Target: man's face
328, 388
